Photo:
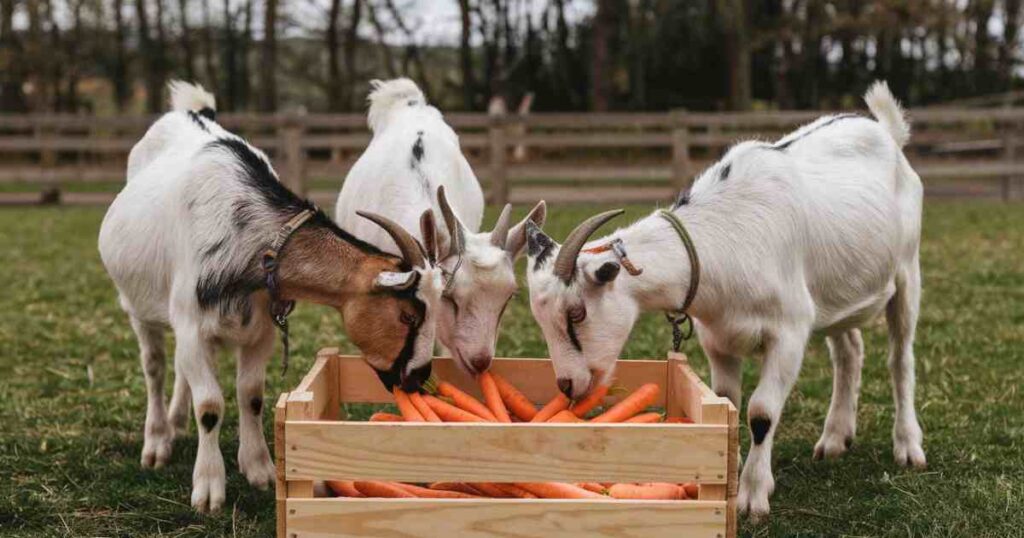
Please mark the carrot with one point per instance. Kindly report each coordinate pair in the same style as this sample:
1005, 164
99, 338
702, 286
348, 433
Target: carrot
559, 403
630, 405
591, 401
424, 409
691, 490
405, 406
565, 416
558, 490
427, 493
458, 487
448, 412
344, 488
515, 491
490, 489
660, 491
492, 397
593, 486
381, 416
678, 420
517, 402
374, 488
645, 418
461, 399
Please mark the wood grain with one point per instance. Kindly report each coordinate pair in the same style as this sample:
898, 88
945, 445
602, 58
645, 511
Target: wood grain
526, 452
505, 518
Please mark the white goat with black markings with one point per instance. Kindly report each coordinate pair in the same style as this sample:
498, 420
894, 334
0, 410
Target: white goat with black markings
187, 244
818, 232
413, 164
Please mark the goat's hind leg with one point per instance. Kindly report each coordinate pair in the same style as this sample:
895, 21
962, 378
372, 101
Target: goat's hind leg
253, 455
901, 315
157, 435
193, 359
181, 405
847, 352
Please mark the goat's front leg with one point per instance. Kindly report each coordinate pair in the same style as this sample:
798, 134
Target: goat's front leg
253, 456
181, 403
847, 352
783, 357
193, 359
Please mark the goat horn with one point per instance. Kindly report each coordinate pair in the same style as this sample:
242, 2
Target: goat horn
456, 235
408, 246
501, 226
565, 263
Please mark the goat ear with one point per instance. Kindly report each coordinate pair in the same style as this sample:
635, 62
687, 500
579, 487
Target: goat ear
517, 236
388, 280
538, 244
428, 229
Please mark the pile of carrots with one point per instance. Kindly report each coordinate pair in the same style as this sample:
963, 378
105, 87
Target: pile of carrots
504, 403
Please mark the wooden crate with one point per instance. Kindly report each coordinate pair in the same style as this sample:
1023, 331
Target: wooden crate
313, 442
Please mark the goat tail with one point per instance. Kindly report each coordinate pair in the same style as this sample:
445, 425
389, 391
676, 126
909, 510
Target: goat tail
887, 110
387, 95
191, 97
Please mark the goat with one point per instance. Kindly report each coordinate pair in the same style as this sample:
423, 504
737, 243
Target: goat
818, 232
185, 242
414, 164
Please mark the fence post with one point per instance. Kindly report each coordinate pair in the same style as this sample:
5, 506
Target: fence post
1012, 187
499, 172
294, 157
680, 149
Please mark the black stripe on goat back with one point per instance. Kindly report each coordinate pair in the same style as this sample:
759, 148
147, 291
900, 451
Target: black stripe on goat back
781, 146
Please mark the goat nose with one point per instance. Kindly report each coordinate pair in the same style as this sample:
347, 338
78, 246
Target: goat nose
565, 385
480, 364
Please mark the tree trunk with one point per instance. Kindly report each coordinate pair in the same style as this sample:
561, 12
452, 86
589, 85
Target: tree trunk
600, 68
268, 60
734, 21
153, 83
466, 57
120, 68
351, 41
209, 64
244, 72
12, 72
188, 54
382, 46
1011, 31
333, 58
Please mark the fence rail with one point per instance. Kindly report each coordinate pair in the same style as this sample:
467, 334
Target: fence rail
597, 157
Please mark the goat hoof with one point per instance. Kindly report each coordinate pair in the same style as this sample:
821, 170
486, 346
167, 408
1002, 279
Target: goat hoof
259, 471
156, 450
208, 488
906, 446
832, 446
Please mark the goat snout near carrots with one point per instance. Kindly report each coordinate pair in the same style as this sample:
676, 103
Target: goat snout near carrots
447, 403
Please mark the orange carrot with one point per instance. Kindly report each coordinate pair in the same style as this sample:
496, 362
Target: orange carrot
448, 412
565, 416
427, 493
593, 486
659, 491
515, 491
691, 490
458, 487
490, 489
406, 407
630, 405
492, 397
464, 401
344, 488
591, 401
645, 418
374, 488
381, 416
678, 420
559, 403
517, 402
558, 490
428, 414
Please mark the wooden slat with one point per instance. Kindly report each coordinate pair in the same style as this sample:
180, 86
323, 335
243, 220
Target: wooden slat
427, 452
505, 518
534, 377
313, 399
280, 484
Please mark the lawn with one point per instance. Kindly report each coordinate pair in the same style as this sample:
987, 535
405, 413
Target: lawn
72, 396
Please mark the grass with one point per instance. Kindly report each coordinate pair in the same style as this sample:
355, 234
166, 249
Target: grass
73, 397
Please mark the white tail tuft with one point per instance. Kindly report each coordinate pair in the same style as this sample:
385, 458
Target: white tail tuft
386, 95
190, 97
888, 112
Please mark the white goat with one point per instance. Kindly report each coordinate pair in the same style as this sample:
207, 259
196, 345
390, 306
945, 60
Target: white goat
414, 164
185, 244
817, 232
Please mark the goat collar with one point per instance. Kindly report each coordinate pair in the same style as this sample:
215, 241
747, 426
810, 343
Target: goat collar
678, 317
279, 308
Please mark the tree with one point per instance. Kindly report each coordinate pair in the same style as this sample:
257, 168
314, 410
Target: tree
733, 18
268, 60
12, 71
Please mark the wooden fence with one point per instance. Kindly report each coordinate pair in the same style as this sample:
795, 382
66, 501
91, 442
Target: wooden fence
587, 157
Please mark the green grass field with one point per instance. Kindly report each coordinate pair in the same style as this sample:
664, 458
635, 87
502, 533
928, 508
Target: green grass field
72, 396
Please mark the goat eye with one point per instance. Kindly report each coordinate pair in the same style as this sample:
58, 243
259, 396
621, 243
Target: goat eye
577, 314
407, 318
